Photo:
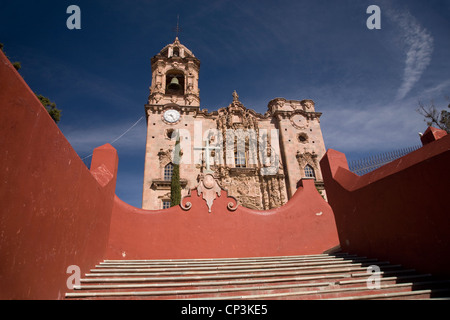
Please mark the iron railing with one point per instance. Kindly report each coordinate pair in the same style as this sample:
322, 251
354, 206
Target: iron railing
369, 164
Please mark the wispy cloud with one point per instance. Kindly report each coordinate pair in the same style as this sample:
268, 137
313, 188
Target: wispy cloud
418, 44
376, 129
127, 136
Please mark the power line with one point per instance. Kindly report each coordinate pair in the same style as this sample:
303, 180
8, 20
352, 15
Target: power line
126, 131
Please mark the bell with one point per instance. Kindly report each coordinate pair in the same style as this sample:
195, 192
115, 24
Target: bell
174, 84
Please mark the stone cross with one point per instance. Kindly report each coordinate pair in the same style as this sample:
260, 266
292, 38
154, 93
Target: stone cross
208, 149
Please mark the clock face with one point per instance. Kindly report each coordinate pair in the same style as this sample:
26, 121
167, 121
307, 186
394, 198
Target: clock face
171, 116
299, 121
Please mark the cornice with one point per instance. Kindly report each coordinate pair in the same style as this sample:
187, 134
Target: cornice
158, 108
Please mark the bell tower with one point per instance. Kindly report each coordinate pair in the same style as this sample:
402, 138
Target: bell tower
175, 73
258, 158
173, 103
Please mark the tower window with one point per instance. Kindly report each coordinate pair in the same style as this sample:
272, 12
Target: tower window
169, 133
168, 171
309, 172
175, 82
166, 204
239, 159
303, 137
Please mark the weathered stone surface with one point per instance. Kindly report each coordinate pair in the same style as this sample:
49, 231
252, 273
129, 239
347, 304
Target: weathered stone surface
258, 158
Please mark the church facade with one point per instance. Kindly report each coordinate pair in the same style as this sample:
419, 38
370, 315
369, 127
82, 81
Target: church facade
257, 158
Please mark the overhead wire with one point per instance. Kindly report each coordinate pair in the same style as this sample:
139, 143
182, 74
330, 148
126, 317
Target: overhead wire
119, 137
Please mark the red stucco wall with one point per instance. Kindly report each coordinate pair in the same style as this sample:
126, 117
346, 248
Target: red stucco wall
399, 212
56, 213
305, 225
53, 211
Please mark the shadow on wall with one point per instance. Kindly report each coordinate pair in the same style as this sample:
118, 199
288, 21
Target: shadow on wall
398, 212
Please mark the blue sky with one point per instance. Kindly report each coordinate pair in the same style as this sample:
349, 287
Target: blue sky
366, 82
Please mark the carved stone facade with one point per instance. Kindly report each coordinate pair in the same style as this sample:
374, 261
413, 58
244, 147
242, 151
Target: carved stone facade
257, 158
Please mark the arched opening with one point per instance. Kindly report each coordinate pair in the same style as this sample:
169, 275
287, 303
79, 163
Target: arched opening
239, 159
303, 138
168, 171
176, 52
165, 204
309, 172
175, 82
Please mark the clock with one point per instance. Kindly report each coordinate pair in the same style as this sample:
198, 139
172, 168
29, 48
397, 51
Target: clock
171, 116
299, 121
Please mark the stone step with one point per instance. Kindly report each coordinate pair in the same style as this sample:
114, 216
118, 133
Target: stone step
427, 294
210, 284
312, 256
302, 292
325, 293
252, 268
198, 292
322, 281
235, 264
168, 272
180, 263
118, 277
333, 290
322, 276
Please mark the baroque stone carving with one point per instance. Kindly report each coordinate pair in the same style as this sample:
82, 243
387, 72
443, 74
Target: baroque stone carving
165, 157
308, 105
307, 158
257, 179
299, 121
210, 189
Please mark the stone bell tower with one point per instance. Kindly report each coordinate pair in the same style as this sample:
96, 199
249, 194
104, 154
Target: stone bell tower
173, 102
257, 158
175, 77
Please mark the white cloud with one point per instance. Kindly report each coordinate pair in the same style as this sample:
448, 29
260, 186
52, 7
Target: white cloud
418, 44
378, 128
127, 136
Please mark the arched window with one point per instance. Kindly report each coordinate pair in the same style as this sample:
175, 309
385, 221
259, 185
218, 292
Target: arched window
309, 172
175, 82
168, 170
239, 159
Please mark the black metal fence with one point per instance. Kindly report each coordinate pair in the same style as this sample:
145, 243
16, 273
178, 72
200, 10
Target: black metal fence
366, 165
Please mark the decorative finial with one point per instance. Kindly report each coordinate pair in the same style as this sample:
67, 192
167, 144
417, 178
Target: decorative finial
235, 96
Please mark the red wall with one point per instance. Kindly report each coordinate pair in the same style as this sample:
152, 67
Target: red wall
305, 225
399, 212
53, 211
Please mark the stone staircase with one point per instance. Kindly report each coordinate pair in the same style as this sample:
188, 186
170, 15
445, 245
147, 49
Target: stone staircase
310, 277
